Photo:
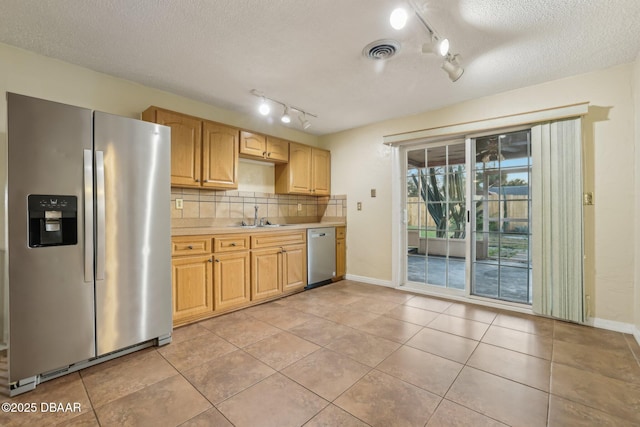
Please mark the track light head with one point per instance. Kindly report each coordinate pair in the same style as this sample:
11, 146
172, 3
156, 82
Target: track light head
451, 66
436, 45
264, 108
398, 18
286, 118
304, 122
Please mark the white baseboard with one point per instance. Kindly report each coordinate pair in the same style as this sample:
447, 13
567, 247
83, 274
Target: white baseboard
612, 325
636, 334
369, 280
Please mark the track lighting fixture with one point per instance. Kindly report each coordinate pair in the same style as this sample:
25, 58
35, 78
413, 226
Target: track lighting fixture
304, 122
398, 18
286, 118
452, 67
438, 45
265, 109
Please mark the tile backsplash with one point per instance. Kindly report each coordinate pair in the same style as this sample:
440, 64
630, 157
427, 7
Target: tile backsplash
203, 208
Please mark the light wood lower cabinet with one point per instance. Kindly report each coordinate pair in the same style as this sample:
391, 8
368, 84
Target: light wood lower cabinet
231, 280
217, 274
192, 287
278, 263
294, 267
266, 273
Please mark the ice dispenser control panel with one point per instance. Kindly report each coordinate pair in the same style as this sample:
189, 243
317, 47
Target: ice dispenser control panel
53, 220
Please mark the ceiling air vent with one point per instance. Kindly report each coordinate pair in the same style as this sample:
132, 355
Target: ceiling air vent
381, 49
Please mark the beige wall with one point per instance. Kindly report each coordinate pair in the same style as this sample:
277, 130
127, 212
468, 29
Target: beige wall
360, 162
636, 94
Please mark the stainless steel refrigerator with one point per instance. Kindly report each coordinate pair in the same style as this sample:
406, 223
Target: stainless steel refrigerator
88, 238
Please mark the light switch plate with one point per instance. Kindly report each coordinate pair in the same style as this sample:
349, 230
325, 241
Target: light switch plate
179, 204
373, 192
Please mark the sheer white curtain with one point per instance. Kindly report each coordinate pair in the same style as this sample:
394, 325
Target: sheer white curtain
558, 285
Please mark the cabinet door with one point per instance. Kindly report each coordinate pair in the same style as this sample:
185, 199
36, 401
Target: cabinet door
253, 144
321, 167
231, 280
266, 273
219, 156
341, 258
277, 149
299, 169
186, 143
294, 267
192, 287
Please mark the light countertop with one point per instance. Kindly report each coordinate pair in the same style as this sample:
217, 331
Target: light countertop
234, 229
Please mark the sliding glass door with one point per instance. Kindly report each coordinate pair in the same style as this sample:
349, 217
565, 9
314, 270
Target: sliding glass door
482, 247
501, 217
436, 211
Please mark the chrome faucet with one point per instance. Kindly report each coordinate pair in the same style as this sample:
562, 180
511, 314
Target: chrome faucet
255, 216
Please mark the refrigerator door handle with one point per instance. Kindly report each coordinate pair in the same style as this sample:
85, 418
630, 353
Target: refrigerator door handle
100, 216
88, 215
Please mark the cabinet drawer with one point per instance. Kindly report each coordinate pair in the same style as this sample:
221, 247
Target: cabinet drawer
230, 243
278, 239
341, 232
190, 245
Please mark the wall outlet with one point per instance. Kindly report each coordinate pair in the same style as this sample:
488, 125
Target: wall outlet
179, 204
587, 199
373, 192
299, 207
359, 206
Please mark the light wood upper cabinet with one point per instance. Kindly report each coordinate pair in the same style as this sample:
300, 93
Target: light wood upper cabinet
256, 146
308, 171
321, 172
203, 154
186, 145
252, 144
277, 149
219, 156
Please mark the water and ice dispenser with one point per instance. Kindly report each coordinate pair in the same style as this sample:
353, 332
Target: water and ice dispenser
53, 220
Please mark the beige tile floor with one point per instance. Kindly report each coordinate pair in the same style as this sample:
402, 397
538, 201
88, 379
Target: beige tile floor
351, 354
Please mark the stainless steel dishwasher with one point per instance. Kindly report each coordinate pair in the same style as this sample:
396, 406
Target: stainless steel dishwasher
321, 256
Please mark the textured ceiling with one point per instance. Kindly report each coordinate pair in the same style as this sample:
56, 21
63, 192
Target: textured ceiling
308, 52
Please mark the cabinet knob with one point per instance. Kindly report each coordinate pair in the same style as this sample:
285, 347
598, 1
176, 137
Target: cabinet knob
264, 154
217, 260
197, 180
189, 247
268, 154
233, 243
211, 260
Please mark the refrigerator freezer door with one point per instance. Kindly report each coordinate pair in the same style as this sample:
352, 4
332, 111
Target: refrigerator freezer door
133, 301
51, 310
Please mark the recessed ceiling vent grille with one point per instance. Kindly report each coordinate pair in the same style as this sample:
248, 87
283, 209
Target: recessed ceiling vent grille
381, 49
